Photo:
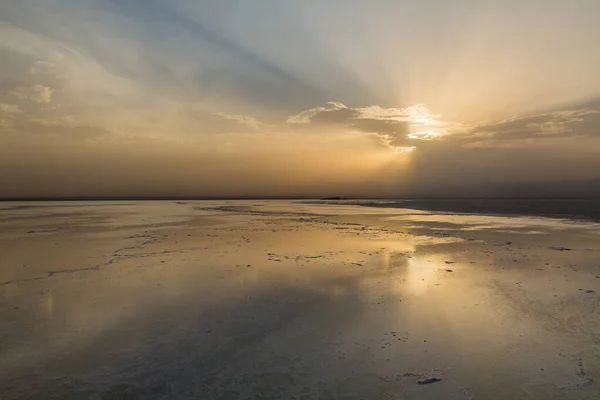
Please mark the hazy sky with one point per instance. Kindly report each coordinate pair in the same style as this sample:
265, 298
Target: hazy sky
298, 98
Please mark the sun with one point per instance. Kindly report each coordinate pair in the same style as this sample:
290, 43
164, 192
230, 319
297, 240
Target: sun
423, 124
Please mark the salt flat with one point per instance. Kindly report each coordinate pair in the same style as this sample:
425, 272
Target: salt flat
294, 300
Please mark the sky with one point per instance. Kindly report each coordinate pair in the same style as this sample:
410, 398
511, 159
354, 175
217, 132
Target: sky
229, 98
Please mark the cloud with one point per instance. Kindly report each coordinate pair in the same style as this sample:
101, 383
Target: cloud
323, 114
397, 128
64, 129
241, 119
9, 108
410, 127
36, 93
552, 125
42, 67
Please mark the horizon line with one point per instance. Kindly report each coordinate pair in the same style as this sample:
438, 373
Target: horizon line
224, 198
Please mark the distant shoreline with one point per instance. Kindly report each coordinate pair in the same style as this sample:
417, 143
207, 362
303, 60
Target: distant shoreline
579, 209
412, 199
568, 208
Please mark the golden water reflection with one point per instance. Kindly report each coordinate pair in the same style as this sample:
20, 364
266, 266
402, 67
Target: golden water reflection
230, 296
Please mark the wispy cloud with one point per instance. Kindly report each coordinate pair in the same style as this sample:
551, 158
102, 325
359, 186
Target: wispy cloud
42, 67
241, 119
9, 108
557, 124
36, 93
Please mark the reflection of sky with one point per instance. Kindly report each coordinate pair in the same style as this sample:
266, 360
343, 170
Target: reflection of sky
217, 305
475, 222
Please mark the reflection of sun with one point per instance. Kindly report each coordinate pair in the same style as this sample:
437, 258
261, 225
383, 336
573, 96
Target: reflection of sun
419, 274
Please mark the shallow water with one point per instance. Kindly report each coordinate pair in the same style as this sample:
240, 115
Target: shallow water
255, 300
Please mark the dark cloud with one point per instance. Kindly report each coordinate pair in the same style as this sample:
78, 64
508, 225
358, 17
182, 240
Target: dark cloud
389, 127
558, 124
399, 127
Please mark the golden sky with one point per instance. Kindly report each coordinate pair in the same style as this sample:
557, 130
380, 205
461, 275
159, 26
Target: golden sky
295, 98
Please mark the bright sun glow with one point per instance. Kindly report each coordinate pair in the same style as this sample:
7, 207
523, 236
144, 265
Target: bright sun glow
421, 115
427, 135
405, 149
423, 124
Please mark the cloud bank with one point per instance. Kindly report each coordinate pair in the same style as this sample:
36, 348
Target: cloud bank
436, 92
397, 128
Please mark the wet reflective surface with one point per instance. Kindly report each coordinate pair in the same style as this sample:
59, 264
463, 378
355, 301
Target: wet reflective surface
261, 300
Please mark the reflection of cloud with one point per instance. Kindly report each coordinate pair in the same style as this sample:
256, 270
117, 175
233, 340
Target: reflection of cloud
37, 93
395, 127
